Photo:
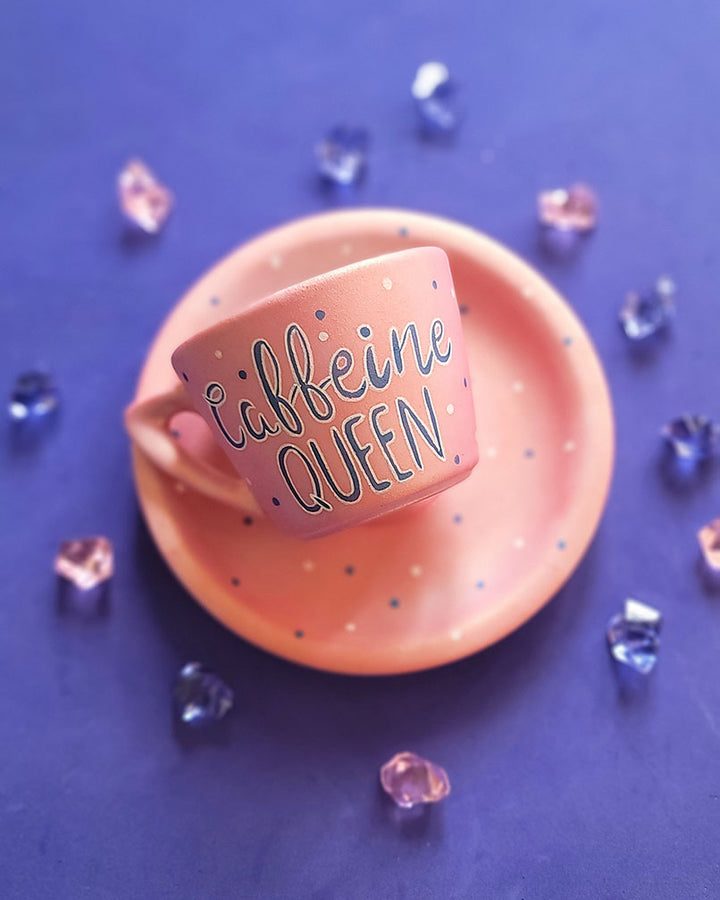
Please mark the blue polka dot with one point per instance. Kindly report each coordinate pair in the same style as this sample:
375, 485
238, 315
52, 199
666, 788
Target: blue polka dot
529, 453
434, 285
320, 314
299, 633
214, 301
561, 545
242, 374
403, 232
248, 520
457, 460
185, 376
567, 341
394, 602
349, 570
235, 581
364, 331
464, 310
480, 585
457, 518
276, 502
464, 382
175, 433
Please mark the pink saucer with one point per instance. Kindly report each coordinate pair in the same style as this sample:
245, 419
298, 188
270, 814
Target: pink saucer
451, 576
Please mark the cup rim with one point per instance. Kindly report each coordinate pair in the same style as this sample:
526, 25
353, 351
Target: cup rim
288, 294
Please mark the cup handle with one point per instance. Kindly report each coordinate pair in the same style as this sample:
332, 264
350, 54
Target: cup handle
148, 424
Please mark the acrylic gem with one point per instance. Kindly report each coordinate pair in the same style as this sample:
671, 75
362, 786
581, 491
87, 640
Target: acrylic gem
342, 155
709, 539
647, 313
409, 780
143, 199
33, 395
692, 438
437, 99
634, 636
200, 696
573, 209
86, 562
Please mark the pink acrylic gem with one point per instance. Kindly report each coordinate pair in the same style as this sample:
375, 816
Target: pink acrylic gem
709, 540
143, 199
86, 562
569, 209
410, 779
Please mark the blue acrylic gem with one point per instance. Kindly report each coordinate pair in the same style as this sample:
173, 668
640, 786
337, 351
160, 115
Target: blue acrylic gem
692, 438
342, 154
634, 636
34, 394
645, 314
200, 696
437, 99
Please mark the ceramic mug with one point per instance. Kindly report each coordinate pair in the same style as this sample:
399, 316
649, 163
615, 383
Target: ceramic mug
337, 400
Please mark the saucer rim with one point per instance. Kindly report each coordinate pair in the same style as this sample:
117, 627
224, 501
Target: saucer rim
531, 592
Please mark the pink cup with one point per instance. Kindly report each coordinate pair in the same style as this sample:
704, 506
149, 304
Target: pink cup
337, 400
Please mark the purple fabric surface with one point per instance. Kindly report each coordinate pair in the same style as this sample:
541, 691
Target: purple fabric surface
565, 784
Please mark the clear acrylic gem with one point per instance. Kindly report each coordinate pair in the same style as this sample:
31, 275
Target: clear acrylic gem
86, 562
200, 696
634, 636
437, 99
645, 314
409, 780
143, 199
342, 154
692, 438
34, 394
428, 78
709, 540
569, 209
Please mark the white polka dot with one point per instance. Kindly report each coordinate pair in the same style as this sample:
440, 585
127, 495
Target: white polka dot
308, 565
180, 487
275, 261
323, 336
569, 446
450, 409
491, 452
218, 354
416, 571
455, 634
387, 284
519, 543
518, 387
349, 626
346, 249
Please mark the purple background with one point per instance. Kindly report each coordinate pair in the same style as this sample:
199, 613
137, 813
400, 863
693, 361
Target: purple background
565, 782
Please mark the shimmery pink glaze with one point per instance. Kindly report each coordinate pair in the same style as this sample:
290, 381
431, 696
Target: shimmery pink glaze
537, 383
